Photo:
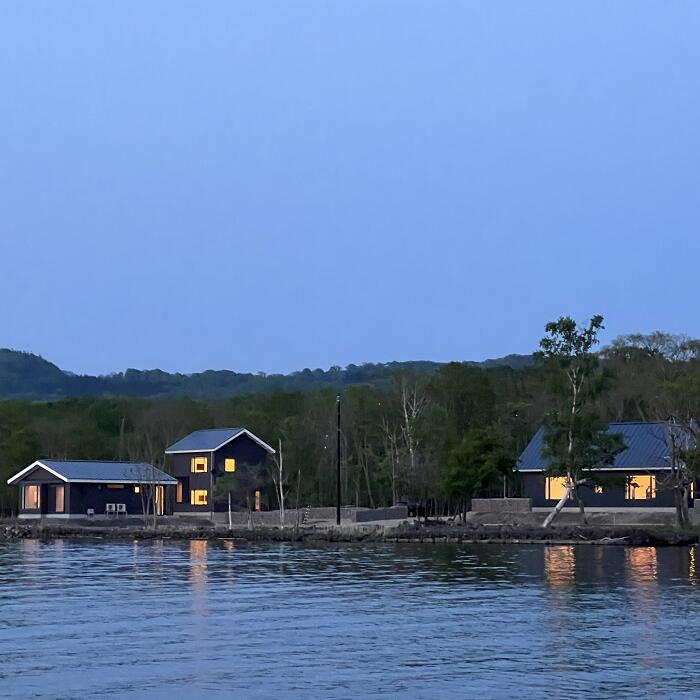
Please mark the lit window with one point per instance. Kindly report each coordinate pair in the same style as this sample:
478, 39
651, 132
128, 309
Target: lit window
30, 497
199, 465
691, 489
599, 489
230, 464
178, 495
198, 497
257, 500
555, 488
60, 499
641, 487
137, 489
115, 486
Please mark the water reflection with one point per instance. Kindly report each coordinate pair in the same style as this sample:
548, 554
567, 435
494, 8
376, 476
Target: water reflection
560, 566
452, 621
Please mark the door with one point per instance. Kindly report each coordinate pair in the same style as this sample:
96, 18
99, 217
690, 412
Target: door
160, 499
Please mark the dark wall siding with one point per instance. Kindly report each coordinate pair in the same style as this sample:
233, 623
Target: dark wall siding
39, 474
244, 450
96, 496
613, 496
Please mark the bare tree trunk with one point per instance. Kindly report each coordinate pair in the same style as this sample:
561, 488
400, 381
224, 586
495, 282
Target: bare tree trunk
558, 508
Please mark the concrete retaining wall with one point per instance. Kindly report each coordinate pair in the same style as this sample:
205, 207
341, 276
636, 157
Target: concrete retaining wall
501, 505
271, 518
392, 513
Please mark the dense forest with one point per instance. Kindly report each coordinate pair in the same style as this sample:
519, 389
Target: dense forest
440, 433
24, 375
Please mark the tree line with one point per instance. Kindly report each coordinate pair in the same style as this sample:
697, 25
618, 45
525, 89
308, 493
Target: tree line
438, 437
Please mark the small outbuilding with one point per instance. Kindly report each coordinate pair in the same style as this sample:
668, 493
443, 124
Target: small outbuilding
53, 488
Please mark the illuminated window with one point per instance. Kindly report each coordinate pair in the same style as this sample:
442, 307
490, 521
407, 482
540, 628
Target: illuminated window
691, 489
230, 464
640, 487
178, 494
60, 499
115, 486
599, 489
30, 497
199, 465
555, 488
257, 500
198, 497
137, 489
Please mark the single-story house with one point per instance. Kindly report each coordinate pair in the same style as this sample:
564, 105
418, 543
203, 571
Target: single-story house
56, 488
204, 456
635, 479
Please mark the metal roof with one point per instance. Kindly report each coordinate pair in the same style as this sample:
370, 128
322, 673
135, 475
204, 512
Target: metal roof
647, 447
212, 440
70, 470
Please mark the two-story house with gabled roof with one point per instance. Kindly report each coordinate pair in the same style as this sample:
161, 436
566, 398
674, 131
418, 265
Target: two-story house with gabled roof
200, 459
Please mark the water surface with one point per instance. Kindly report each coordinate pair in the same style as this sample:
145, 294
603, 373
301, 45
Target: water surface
227, 619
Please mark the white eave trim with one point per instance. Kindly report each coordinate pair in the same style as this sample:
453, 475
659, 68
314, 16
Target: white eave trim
604, 469
38, 463
159, 481
245, 431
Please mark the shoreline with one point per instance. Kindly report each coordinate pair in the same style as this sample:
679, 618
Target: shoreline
404, 533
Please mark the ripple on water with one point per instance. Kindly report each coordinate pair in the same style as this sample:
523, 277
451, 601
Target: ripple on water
153, 619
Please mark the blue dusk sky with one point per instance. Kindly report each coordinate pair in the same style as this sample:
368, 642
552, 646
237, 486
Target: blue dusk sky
268, 186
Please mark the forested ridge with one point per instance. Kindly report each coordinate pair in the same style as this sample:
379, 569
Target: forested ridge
24, 375
440, 433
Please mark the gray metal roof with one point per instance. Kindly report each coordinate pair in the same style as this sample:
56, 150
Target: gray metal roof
211, 440
95, 471
647, 447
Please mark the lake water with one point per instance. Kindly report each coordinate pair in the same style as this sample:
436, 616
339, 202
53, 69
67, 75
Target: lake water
224, 619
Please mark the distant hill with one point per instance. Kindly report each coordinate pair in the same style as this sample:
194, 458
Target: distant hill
27, 376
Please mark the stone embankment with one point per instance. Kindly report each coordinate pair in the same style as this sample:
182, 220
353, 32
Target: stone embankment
433, 532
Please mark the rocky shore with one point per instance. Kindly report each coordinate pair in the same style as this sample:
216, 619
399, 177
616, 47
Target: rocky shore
434, 532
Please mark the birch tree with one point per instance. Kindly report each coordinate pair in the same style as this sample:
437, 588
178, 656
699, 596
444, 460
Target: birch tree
576, 441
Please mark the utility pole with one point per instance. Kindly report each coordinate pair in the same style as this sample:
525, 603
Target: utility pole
211, 487
337, 475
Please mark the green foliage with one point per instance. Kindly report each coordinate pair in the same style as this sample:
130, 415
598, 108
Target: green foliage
473, 421
477, 464
27, 376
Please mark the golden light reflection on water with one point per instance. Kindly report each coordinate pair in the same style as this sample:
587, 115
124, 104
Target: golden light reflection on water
229, 545
642, 565
198, 563
560, 565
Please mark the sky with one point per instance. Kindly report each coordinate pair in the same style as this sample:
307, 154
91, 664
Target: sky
268, 186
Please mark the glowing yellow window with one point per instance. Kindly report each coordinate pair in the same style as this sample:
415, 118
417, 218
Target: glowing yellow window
198, 497
137, 489
257, 500
30, 497
60, 499
641, 487
555, 487
199, 465
599, 489
230, 464
691, 489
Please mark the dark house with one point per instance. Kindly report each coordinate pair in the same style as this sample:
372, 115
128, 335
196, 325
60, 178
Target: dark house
54, 488
635, 479
202, 457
